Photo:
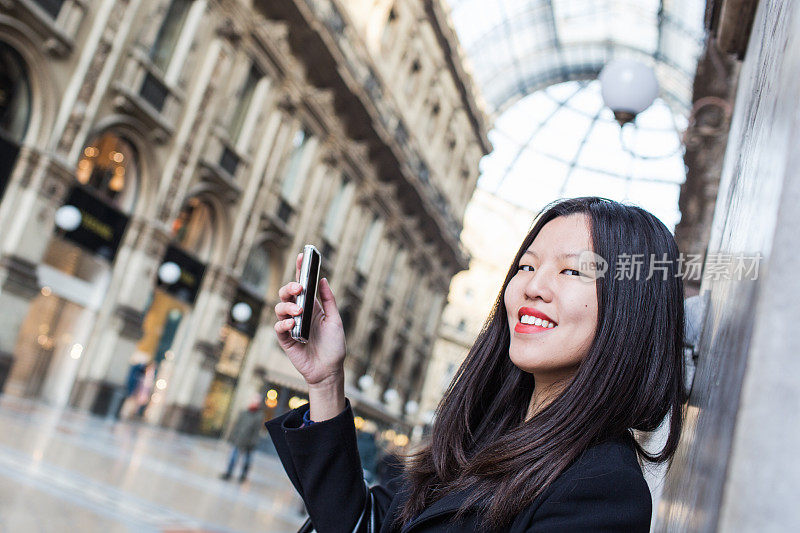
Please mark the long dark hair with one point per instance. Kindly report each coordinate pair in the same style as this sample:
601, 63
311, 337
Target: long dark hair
631, 378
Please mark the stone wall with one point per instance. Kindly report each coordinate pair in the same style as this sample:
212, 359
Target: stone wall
736, 468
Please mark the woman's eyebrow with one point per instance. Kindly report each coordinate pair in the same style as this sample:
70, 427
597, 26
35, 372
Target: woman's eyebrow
560, 256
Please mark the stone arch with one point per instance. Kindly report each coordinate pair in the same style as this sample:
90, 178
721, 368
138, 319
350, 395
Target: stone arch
215, 251
135, 133
42, 89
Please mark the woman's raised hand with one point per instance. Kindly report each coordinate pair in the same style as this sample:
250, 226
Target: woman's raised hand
321, 360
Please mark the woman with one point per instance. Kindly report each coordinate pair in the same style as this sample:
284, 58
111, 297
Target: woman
534, 432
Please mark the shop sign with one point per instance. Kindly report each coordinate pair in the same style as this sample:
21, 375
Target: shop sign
249, 326
192, 271
101, 226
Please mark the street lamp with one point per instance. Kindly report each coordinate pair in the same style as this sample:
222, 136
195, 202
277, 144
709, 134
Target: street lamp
169, 272
391, 396
241, 312
68, 217
628, 88
365, 382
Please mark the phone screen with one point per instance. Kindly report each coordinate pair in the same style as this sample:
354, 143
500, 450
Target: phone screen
310, 294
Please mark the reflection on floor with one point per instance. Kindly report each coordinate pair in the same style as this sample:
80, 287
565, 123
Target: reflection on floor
64, 470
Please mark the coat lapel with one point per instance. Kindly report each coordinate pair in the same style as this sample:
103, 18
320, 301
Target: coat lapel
447, 504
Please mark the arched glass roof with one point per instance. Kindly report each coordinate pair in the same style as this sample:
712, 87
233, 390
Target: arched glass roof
564, 142
535, 63
517, 47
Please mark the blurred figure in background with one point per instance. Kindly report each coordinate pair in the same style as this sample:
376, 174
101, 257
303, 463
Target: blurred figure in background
135, 385
368, 450
244, 436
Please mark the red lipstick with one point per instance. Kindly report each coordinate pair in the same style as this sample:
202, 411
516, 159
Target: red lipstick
533, 312
531, 328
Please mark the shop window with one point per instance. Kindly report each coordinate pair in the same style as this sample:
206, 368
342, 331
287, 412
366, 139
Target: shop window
109, 167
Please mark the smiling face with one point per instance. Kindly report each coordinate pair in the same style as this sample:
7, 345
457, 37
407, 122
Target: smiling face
549, 285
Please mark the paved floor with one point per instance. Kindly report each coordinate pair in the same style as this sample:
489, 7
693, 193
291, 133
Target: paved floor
64, 470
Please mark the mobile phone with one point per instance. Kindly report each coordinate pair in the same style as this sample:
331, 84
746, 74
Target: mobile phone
309, 279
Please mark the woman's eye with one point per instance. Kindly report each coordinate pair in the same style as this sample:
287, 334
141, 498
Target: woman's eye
527, 268
576, 273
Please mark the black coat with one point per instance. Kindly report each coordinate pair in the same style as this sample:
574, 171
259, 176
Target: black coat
602, 491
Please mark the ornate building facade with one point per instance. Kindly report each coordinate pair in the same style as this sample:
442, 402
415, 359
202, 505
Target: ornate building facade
163, 162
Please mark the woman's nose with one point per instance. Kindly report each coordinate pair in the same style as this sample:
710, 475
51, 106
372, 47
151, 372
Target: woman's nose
540, 285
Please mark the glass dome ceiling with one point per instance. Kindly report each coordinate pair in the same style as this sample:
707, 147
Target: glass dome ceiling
564, 142
535, 63
517, 47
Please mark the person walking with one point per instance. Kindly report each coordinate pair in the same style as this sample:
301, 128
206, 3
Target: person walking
244, 437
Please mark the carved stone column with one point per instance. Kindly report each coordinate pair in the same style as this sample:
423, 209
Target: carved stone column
706, 139
29, 211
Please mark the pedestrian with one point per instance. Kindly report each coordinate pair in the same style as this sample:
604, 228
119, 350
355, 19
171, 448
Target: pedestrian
136, 373
535, 433
244, 437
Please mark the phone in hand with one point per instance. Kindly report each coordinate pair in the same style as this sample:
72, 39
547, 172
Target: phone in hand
309, 279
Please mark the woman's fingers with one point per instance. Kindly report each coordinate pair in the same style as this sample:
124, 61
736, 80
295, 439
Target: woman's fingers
284, 326
299, 263
284, 310
288, 292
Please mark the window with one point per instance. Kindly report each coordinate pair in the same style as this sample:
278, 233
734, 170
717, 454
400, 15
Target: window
413, 76
243, 100
389, 30
368, 246
194, 228
294, 176
52, 7
337, 211
169, 33
256, 271
391, 275
410, 299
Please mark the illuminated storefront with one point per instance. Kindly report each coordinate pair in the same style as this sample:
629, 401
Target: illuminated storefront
235, 339
75, 271
178, 282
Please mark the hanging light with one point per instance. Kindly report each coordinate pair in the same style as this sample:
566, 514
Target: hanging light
365, 382
169, 272
391, 396
241, 312
411, 407
628, 88
68, 217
